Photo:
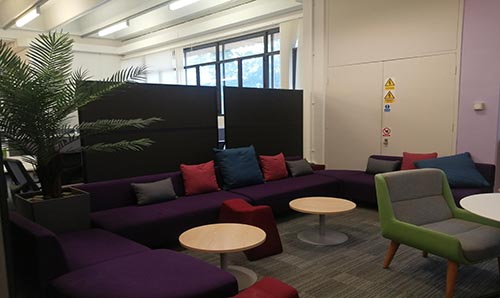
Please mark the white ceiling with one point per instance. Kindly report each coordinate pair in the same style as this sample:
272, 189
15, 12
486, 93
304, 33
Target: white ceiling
148, 19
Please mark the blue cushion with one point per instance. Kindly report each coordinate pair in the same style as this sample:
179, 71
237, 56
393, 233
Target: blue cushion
459, 169
239, 167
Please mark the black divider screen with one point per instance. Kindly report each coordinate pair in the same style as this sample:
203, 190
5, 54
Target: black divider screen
187, 133
269, 119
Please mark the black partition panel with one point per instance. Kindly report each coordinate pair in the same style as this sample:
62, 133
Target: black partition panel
269, 119
187, 133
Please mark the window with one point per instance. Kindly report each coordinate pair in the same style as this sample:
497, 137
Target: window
247, 61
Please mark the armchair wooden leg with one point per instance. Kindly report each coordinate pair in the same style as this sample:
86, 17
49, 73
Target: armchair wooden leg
451, 278
391, 251
425, 254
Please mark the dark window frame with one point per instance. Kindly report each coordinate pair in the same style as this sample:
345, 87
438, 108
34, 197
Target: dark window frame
267, 36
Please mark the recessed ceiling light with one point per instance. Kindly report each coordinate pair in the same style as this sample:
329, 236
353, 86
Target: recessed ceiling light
180, 4
113, 28
28, 17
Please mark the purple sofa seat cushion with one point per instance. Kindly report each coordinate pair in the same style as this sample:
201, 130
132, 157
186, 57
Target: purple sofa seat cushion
355, 185
88, 247
153, 274
277, 194
119, 193
157, 225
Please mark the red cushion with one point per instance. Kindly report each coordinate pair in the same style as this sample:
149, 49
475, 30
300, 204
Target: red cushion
410, 158
199, 178
273, 167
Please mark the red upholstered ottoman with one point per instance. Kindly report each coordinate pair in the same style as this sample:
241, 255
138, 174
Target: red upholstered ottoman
239, 211
269, 287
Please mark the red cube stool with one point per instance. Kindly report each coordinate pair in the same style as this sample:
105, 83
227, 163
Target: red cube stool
269, 287
239, 211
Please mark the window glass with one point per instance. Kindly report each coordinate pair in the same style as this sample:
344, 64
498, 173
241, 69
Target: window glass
276, 41
273, 42
253, 72
234, 63
200, 56
274, 71
191, 76
207, 75
229, 73
242, 48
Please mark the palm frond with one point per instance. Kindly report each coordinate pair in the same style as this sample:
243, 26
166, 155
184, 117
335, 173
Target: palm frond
51, 56
106, 125
134, 145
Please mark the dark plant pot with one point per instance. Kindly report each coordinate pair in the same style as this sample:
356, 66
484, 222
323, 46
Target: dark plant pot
66, 214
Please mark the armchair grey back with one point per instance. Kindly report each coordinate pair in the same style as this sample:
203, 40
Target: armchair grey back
416, 208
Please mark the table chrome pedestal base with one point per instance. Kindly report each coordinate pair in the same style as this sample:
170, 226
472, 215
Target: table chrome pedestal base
245, 276
330, 237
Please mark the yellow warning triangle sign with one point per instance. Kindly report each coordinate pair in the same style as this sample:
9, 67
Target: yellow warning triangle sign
389, 95
389, 84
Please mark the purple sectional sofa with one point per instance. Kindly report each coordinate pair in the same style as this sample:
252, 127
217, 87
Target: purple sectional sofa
99, 264
359, 186
114, 206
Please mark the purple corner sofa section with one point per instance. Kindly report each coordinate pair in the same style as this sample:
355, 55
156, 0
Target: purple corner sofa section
96, 263
359, 186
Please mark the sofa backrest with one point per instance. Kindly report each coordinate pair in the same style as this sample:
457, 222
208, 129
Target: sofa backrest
487, 170
387, 157
119, 193
39, 256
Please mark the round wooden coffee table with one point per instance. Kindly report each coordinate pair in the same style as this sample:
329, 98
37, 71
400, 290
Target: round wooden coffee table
322, 206
226, 238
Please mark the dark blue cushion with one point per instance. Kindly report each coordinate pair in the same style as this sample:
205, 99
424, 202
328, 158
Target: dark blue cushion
459, 169
239, 167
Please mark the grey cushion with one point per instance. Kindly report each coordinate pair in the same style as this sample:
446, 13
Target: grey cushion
376, 166
299, 167
479, 242
154, 192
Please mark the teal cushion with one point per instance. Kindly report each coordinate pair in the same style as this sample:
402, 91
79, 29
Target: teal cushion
238, 166
459, 169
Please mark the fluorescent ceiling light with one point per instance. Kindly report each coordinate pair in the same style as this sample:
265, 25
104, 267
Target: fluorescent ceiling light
28, 17
180, 4
113, 28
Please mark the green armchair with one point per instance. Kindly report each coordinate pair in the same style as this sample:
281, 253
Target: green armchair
416, 208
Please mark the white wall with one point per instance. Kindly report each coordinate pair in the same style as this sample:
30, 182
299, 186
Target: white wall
359, 33
99, 66
314, 74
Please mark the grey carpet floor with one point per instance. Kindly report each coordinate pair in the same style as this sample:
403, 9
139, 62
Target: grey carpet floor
354, 268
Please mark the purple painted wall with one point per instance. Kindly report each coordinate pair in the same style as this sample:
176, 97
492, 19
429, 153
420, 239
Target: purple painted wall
480, 80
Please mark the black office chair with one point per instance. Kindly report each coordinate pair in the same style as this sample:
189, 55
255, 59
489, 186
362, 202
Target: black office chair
22, 180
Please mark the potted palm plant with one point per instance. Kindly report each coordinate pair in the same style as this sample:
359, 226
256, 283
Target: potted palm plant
36, 97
